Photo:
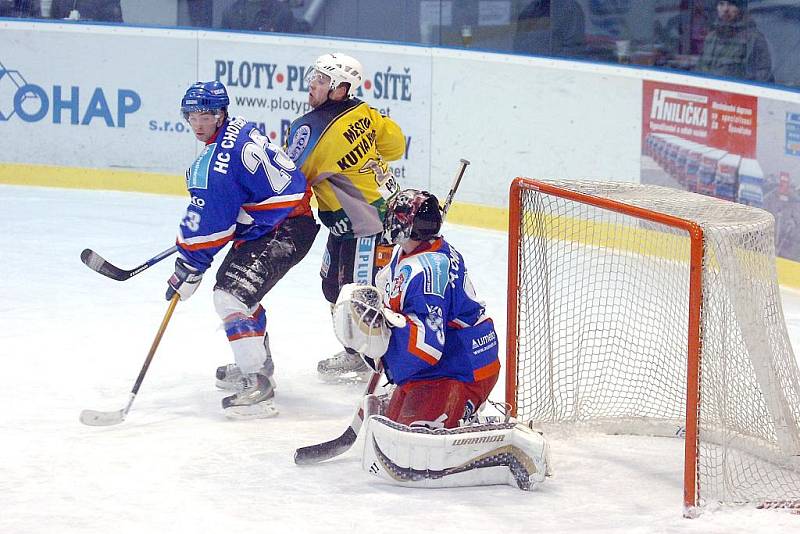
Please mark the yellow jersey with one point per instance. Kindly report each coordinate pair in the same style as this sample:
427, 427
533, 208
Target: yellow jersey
343, 147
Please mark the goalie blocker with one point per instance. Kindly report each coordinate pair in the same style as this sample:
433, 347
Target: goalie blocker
476, 455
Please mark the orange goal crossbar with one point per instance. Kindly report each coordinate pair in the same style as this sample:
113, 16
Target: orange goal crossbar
695, 232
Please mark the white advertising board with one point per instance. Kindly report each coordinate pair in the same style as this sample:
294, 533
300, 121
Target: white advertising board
515, 116
93, 96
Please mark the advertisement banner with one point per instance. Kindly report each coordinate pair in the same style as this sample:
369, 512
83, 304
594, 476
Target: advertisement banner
105, 107
778, 155
792, 134
717, 119
696, 139
93, 103
731, 146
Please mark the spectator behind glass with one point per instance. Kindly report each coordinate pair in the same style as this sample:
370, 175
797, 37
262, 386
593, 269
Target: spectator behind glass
685, 32
20, 8
735, 48
200, 13
558, 30
262, 16
98, 10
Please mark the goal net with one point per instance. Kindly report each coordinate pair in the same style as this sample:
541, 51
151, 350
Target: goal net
650, 310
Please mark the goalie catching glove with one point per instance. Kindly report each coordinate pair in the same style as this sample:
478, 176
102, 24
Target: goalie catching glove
361, 322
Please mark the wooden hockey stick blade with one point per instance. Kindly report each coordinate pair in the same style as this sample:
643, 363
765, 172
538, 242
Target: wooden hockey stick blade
325, 451
95, 418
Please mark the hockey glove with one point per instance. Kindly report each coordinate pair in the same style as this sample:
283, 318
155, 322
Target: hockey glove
358, 322
184, 280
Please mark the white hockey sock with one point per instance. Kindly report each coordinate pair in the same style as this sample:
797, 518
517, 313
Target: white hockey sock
245, 331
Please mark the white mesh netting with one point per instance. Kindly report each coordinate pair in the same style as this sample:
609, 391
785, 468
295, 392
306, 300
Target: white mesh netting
602, 331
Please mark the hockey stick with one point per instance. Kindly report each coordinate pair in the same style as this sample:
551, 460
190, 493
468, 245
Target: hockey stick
454, 187
95, 262
330, 449
96, 418
325, 451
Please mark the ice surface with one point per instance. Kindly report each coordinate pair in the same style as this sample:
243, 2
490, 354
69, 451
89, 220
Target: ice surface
72, 339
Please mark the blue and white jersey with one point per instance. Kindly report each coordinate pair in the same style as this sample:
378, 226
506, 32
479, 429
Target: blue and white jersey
447, 332
242, 187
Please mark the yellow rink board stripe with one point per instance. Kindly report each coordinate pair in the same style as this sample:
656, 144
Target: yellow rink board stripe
170, 184
83, 178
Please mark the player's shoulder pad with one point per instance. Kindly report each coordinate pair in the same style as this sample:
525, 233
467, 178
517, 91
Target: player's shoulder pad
433, 267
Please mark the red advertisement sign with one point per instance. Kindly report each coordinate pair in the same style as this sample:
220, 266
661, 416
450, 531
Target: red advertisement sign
715, 119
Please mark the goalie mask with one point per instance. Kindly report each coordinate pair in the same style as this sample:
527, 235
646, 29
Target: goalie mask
358, 320
412, 214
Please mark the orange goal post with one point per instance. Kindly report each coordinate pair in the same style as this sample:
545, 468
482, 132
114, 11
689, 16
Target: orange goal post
643, 309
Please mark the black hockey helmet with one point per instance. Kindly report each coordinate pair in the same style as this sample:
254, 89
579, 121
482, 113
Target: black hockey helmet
412, 214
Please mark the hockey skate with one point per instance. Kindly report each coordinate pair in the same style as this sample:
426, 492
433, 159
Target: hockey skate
345, 366
253, 400
229, 376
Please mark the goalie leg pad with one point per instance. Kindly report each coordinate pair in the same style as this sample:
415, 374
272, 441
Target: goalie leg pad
479, 455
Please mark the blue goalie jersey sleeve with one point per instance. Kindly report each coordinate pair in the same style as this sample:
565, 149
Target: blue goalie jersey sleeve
242, 186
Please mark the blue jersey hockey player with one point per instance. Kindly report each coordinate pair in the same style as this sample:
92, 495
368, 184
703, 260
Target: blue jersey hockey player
444, 358
245, 191
425, 324
440, 347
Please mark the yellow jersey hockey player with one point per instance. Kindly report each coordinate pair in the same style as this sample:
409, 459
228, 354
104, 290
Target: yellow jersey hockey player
342, 146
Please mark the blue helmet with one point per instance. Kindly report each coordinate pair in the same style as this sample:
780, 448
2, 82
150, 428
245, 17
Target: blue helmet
205, 96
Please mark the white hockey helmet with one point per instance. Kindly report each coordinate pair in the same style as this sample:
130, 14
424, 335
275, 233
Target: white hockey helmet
341, 68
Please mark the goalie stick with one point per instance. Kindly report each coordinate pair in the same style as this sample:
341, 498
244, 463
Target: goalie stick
330, 449
97, 418
454, 187
97, 263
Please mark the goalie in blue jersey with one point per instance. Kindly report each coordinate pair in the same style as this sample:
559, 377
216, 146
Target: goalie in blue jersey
425, 325
247, 192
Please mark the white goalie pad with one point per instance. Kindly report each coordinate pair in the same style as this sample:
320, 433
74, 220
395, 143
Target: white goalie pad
478, 455
358, 320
